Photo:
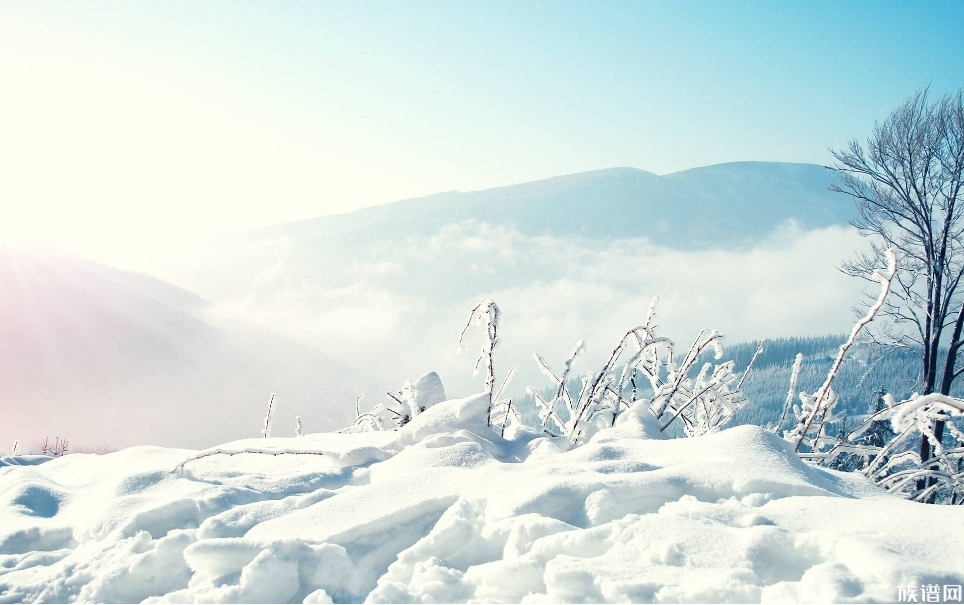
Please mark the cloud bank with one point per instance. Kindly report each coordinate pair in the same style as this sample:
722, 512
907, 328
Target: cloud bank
397, 309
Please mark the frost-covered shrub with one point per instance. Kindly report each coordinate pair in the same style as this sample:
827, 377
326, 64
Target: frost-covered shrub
702, 403
486, 314
896, 465
56, 449
809, 436
407, 403
886, 457
706, 402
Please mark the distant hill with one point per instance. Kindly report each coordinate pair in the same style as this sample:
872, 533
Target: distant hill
107, 357
863, 372
725, 205
577, 247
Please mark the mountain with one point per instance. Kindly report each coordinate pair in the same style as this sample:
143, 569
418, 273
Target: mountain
104, 357
733, 206
725, 205
742, 247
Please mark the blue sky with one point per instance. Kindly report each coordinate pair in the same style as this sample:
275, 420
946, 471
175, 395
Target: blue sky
137, 120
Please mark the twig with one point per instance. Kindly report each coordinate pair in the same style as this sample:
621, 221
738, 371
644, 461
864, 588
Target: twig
221, 452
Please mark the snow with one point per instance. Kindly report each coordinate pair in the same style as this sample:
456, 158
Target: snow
428, 391
446, 510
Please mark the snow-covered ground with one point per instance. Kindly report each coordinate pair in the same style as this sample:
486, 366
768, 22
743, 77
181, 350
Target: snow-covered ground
445, 510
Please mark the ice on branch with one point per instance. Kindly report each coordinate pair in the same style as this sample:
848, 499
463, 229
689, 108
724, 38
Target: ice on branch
486, 314
703, 403
268, 418
552, 423
816, 410
791, 392
56, 449
897, 466
411, 400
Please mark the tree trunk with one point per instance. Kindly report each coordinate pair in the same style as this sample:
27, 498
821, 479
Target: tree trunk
947, 380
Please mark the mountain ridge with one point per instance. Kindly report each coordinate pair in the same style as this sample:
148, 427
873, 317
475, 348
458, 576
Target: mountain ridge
731, 205
570, 251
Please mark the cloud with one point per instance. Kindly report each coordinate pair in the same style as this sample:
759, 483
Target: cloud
401, 307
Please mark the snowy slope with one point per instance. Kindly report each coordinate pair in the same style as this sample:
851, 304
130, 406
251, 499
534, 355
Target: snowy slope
107, 358
444, 510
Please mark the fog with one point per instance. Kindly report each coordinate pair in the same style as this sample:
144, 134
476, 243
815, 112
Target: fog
109, 359
399, 311
320, 310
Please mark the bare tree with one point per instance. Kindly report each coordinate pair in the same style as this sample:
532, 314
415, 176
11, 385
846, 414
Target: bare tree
907, 184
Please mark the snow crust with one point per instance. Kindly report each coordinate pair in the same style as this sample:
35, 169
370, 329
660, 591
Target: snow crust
446, 510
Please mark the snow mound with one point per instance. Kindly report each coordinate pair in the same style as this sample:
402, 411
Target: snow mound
428, 390
446, 510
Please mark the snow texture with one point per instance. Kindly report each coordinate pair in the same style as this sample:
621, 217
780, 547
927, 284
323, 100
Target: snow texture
428, 391
446, 510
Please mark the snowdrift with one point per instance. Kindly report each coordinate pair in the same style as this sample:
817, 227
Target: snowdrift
446, 510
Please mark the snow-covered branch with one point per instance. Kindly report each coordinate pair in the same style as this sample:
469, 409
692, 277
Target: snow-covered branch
703, 403
248, 450
791, 392
816, 410
486, 313
896, 465
268, 418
